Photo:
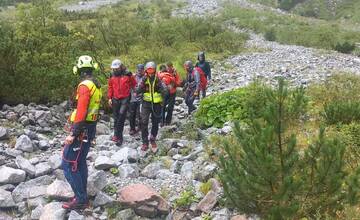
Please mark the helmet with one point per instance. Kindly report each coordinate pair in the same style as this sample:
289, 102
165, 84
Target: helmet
85, 62
149, 65
189, 64
116, 64
202, 55
162, 68
140, 67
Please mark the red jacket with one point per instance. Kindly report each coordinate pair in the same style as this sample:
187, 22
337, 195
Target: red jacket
119, 87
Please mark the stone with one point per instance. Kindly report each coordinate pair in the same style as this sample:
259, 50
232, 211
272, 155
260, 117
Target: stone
126, 214
11, 175
20, 109
12, 116
35, 202
144, 200
102, 129
42, 169
25, 165
239, 217
4, 216
55, 161
3, 133
207, 203
44, 144
163, 174
59, 190
2, 160
24, 143
104, 163
103, 140
96, 182
31, 189
6, 200
24, 120
102, 199
215, 185
53, 211
125, 155
151, 170
36, 213
128, 171
222, 214
74, 215
187, 170
207, 172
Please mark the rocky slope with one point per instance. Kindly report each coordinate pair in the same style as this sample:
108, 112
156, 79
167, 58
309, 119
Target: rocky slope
32, 184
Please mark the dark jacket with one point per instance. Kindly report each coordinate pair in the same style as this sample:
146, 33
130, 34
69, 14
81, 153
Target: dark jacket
205, 66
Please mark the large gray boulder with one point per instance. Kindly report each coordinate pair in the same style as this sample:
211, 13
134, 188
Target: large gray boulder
53, 211
6, 200
3, 133
104, 163
151, 170
31, 189
25, 165
96, 182
60, 190
11, 175
125, 155
42, 169
24, 143
128, 171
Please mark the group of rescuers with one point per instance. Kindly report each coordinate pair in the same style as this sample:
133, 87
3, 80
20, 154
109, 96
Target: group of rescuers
145, 93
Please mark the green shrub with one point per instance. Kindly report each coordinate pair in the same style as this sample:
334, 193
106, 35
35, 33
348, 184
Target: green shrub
270, 35
186, 198
342, 112
350, 134
345, 47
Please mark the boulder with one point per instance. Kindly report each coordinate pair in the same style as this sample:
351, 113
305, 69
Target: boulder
96, 182
128, 171
126, 214
60, 190
11, 175
125, 155
207, 203
102, 129
24, 143
74, 215
104, 163
151, 170
53, 211
6, 200
187, 170
55, 161
31, 189
3, 133
102, 199
144, 200
36, 213
239, 217
42, 169
25, 165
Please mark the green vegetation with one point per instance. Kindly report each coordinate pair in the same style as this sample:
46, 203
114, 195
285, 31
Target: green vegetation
205, 187
39, 49
292, 29
114, 171
110, 189
186, 198
276, 178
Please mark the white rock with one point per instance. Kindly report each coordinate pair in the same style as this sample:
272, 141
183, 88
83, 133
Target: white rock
11, 175
6, 200
104, 163
59, 190
24, 143
53, 211
25, 165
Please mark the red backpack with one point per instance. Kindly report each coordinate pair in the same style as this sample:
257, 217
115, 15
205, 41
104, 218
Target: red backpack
203, 80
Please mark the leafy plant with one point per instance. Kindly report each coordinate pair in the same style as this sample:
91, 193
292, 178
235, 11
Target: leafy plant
186, 198
345, 47
205, 187
110, 189
114, 171
342, 112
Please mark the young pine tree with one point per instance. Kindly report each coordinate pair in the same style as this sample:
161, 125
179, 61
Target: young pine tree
266, 173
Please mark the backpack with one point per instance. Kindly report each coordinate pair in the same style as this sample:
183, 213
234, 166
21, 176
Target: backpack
166, 78
203, 79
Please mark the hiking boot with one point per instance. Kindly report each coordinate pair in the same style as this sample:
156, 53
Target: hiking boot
132, 132
119, 142
154, 147
145, 147
75, 205
114, 138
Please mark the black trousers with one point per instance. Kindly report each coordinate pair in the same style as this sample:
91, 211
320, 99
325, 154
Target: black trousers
134, 116
168, 108
189, 99
154, 110
119, 107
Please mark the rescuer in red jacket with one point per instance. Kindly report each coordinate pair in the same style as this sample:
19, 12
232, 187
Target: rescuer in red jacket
119, 90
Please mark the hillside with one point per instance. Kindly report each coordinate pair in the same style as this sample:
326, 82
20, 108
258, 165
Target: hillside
256, 148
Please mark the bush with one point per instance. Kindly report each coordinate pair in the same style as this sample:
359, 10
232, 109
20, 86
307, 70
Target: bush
345, 47
350, 134
270, 35
341, 112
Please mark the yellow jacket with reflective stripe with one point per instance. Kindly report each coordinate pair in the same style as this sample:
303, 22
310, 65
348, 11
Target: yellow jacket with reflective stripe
94, 103
151, 95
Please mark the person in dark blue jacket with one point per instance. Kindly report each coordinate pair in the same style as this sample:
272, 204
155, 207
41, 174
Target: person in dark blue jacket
205, 66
